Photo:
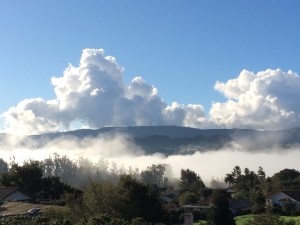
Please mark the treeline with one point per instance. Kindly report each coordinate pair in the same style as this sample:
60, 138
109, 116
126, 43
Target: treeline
104, 193
116, 198
79, 173
122, 201
51, 177
255, 186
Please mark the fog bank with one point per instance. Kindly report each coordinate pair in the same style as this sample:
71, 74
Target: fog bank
120, 149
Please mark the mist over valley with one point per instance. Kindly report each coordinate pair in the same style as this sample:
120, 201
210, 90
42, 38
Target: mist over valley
210, 152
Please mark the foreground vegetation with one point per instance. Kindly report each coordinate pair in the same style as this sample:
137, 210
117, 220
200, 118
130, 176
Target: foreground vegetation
261, 219
98, 194
249, 220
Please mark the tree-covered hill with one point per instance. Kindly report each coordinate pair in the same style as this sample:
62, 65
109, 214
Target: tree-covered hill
171, 139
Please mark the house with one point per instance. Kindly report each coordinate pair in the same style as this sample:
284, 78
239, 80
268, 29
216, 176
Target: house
236, 206
205, 203
14, 194
202, 206
239, 206
167, 195
282, 198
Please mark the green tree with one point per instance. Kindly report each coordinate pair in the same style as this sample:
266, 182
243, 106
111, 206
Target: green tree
28, 177
287, 209
244, 184
98, 198
128, 199
53, 188
190, 181
3, 166
259, 203
138, 200
286, 179
220, 213
155, 174
229, 179
237, 172
187, 198
261, 174
234, 177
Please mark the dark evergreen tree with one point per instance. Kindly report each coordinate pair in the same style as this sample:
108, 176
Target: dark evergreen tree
3, 166
190, 181
28, 177
128, 199
220, 213
155, 174
259, 202
138, 200
286, 179
187, 198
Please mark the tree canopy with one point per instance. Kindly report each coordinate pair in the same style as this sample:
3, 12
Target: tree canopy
190, 181
220, 213
29, 177
155, 174
128, 199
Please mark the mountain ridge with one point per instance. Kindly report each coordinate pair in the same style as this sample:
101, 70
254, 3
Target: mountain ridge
175, 139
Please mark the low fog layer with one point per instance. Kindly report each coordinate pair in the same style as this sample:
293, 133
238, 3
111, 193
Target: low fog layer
93, 94
121, 150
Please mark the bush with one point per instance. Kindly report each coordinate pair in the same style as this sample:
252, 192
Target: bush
275, 210
37, 220
175, 217
188, 198
288, 208
258, 209
295, 212
199, 215
268, 219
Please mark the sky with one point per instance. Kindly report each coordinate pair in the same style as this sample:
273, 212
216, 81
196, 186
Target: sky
191, 53
208, 64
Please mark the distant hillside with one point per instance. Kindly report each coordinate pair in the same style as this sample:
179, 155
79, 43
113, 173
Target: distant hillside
174, 139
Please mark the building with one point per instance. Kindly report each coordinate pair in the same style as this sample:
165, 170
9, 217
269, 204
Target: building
14, 194
282, 198
237, 206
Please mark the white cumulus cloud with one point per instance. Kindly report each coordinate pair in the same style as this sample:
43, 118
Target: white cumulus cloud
266, 100
94, 95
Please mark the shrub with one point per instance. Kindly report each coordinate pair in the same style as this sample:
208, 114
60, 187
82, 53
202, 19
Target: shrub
268, 219
295, 212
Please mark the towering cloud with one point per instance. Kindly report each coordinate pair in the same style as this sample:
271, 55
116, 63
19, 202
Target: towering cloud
266, 100
94, 95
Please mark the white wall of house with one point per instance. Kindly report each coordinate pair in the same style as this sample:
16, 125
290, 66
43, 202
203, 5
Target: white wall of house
17, 196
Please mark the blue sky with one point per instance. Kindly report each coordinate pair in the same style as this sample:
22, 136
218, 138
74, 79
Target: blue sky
180, 47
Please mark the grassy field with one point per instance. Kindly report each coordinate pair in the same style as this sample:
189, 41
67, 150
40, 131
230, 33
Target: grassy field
295, 218
19, 208
241, 220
